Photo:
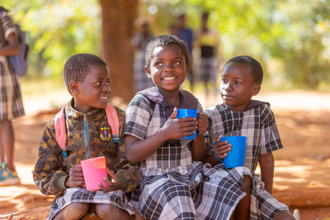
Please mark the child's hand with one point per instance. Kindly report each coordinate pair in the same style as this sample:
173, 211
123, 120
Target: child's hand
113, 185
176, 128
221, 148
76, 178
203, 123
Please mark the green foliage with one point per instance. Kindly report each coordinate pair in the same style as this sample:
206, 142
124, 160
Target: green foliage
56, 31
290, 38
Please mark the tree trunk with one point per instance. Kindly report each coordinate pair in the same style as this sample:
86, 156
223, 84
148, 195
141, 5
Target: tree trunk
118, 18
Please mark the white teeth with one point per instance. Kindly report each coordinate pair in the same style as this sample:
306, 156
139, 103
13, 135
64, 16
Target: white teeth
169, 78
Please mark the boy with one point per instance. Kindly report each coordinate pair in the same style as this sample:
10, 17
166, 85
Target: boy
241, 116
56, 171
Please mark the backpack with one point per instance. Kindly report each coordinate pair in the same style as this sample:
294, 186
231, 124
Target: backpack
19, 61
60, 126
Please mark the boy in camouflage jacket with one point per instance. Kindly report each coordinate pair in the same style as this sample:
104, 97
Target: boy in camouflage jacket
56, 172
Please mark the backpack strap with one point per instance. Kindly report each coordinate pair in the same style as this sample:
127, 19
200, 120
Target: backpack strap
60, 128
113, 121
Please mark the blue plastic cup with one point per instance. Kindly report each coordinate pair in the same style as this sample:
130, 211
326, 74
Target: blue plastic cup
235, 157
184, 113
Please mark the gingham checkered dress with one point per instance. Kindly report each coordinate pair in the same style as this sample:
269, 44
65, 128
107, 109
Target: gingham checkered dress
173, 186
11, 105
258, 124
82, 195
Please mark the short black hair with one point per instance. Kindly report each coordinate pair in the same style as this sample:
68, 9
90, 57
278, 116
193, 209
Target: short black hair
165, 40
256, 70
78, 67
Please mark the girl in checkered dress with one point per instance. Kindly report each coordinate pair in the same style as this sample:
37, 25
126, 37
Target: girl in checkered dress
11, 105
241, 116
175, 183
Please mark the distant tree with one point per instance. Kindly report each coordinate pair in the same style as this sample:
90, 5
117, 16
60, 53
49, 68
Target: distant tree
117, 30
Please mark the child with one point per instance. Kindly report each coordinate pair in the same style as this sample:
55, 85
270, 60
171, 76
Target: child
175, 184
241, 116
86, 77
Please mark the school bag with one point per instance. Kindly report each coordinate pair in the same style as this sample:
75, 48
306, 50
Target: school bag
19, 61
60, 126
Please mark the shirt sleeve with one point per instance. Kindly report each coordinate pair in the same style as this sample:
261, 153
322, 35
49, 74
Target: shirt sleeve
137, 117
8, 24
129, 174
47, 170
270, 138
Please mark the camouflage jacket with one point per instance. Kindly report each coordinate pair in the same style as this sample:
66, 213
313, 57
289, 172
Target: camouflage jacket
51, 168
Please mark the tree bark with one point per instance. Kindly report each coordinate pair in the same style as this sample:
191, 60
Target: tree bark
118, 18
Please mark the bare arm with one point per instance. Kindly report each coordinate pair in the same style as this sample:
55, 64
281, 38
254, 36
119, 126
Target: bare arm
12, 47
267, 170
138, 150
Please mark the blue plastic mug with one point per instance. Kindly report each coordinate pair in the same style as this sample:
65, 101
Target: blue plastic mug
235, 157
184, 113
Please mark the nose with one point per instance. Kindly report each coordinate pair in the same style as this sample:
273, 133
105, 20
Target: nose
106, 88
168, 68
228, 86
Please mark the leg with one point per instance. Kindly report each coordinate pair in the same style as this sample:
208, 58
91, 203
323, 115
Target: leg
284, 215
7, 138
242, 210
74, 211
111, 212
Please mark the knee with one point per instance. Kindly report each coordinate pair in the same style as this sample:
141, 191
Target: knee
106, 210
284, 215
247, 184
75, 210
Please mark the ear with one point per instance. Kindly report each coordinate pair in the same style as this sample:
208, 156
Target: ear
74, 87
256, 89
147, 69
187, 68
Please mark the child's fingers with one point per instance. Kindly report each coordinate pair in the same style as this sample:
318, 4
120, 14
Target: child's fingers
174, 114
187, 119
112, 175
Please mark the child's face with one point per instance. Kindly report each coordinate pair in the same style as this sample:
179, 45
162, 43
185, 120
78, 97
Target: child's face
167, 67
94, 91
237, 86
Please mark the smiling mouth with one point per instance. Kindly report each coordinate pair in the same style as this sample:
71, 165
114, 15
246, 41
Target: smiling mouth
168, 78
104, 98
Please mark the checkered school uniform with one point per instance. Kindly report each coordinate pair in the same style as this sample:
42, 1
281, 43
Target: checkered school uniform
141, 80
174, 186
208, 69
258, 124
11, 104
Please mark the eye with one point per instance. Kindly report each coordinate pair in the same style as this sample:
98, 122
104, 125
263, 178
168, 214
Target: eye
158, 63
177, 62
98, 83
224, 80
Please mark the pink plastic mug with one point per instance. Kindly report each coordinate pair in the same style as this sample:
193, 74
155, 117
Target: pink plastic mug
94, 170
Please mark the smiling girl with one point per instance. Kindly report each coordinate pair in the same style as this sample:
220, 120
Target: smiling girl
175, 183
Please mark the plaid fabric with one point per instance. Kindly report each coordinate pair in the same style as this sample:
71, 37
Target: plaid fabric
173, 186
259, 126
208, 69
141, 80
11, 104
81, 195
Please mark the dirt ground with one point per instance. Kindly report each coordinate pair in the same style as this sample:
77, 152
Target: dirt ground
304, 162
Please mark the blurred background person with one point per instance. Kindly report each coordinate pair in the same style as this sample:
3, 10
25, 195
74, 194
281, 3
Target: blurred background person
186, 35
140, 41
11, 105
208, 44
172, 29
